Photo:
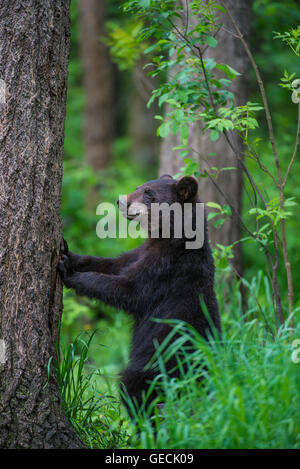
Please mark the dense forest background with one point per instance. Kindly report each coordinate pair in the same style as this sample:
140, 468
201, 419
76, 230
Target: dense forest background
131, 156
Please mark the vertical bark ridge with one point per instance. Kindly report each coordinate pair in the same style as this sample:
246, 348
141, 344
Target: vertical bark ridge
34, 50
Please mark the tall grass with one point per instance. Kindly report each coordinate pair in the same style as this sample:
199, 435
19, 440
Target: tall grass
95, 416
241, 392
249, 396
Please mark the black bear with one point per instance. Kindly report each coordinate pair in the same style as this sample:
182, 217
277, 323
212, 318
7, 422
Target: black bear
160, 279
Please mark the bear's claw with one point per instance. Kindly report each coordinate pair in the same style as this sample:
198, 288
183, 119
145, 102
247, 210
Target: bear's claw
64, 265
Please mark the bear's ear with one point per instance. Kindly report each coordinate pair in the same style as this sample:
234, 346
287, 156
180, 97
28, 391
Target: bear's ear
187, 188
166, 176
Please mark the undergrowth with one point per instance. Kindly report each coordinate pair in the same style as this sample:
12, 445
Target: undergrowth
240, 392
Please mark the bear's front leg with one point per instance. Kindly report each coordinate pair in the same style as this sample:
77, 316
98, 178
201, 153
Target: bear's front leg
115, 290
104, 265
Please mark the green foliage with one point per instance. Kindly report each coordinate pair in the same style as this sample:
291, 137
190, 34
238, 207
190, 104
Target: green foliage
238, 118
92, 414
191, 83
248, 397
79, 221
271, 58
250, 394
273, 211
125, 49
291, 38
223, 211
193, 92
287, 80
240, 393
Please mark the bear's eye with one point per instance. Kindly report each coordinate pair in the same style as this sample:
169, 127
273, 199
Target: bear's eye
148, 194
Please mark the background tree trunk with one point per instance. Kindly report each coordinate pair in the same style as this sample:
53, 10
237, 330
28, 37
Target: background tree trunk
229, 51
34, 49
98, 83
142, 123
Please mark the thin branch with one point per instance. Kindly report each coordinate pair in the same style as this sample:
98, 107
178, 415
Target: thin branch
213, 105
262, 91
295, 150
240, 159
273, 266
233, 209
187, 16
276, 158
249, 176
255, 298
254, 155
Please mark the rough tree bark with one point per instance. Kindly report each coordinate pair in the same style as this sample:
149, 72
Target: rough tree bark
34, 49
229, 51
98, 82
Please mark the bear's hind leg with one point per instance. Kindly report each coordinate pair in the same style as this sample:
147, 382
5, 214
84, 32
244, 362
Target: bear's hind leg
135, 389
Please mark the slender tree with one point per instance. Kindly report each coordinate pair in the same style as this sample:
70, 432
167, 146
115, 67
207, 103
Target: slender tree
34, 49
98, 82
228, 51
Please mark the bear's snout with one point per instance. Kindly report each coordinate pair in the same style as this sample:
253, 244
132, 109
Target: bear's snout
122, 202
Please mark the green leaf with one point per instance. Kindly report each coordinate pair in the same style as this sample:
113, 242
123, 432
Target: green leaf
164, 130
214, 205
190, 168
229, 71
219, 222
223, 263
211, 41
210, 64
145, 3
184, 132
290, 202
228, 168
227, 210
219, 7
212, 215
214, 135
150, 48
175, 126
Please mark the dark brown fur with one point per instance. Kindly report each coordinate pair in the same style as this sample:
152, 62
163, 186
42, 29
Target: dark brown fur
160, 279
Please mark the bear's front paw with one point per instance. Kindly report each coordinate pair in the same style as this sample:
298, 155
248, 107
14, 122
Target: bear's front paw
64, 267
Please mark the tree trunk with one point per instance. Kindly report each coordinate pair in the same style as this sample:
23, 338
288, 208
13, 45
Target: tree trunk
98, 82
142, 123
34, 49
229, 51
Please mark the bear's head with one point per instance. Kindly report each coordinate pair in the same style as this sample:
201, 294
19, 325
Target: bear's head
148, 202
165, 189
